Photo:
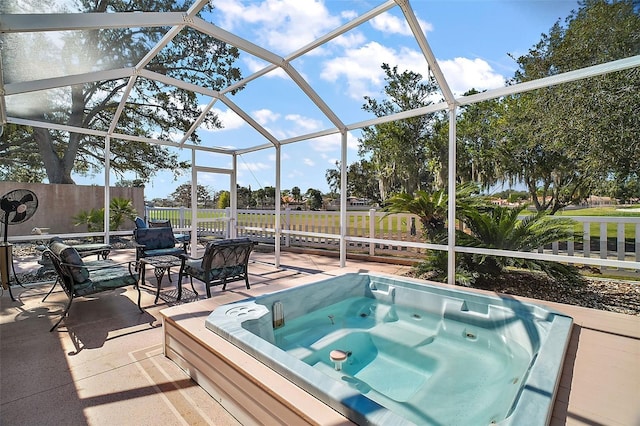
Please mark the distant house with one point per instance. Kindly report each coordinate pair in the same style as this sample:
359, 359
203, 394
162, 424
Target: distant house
353, 203
360, 202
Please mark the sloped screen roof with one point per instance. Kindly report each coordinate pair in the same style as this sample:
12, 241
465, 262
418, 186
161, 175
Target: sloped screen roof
282, 79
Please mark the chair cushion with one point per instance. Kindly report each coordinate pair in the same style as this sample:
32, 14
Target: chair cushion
173, 251
160, 223
70, 256
183, 238
140, 222
106, 279
194, 268
155, 238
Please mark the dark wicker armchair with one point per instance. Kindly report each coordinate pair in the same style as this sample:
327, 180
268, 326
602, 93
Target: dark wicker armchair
224, 261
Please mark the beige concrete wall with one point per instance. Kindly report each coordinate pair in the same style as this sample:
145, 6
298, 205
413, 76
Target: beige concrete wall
57, 204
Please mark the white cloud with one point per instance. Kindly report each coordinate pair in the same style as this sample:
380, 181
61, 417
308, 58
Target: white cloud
391, 24
208, 179
295, 174
350, 39
361, 67
309, 162
282, 25
229, 119
283, 156
175, 137
349, 14
254, 167
264, 116
463, 74
254, 65
230, 11
293, 125
304, 123
333, 143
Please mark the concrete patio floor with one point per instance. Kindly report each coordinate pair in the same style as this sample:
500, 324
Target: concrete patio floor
104, 364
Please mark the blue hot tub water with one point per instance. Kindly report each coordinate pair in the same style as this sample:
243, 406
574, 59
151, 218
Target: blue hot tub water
417, 353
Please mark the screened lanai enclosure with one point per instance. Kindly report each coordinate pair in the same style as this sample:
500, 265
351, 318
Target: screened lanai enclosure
123, 75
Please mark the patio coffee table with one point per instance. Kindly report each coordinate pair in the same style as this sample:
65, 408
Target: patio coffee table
161, 264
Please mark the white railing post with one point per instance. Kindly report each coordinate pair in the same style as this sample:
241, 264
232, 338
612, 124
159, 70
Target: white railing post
570, 246
603, 240
372, 231
287, 226
638, 242
181, 223
586, 239
621, 241
227, 215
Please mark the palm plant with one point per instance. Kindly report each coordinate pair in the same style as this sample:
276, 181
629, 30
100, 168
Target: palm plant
485, 226
94, 219
497, 227
431, 209
120, 209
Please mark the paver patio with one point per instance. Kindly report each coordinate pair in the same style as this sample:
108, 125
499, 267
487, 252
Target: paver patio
105, 364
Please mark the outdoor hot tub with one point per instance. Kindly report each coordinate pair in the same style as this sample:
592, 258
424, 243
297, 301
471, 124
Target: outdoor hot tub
391, 350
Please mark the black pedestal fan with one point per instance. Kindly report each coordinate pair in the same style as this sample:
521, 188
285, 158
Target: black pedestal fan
16, 206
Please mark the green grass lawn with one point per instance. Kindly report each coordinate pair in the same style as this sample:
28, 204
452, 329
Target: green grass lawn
612, 228
626, 211
330, 221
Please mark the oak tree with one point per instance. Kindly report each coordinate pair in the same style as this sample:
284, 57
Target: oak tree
153, 109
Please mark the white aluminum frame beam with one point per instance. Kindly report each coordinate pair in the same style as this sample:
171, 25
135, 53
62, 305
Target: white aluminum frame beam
234, 197
249, 120
3, 106
40, 22
554, 80
205, 27
85, 131
313, 96
198, 122
70, 80
451, 201
171, 81
418, 33
278, 204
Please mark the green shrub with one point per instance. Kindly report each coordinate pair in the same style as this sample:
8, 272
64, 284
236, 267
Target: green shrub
119, 209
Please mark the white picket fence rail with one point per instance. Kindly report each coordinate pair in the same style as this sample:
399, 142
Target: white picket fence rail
376, 233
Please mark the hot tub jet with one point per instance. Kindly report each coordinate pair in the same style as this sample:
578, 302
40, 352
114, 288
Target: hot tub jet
338, 356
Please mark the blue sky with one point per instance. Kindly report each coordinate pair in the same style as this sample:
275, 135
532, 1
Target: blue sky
472, 41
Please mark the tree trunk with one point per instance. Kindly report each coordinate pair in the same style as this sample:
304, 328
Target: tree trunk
54, 165
59, 169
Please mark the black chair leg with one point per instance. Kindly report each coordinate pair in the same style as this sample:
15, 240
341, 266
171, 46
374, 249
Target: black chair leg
193, 288
51, 289
64, 314
139, 295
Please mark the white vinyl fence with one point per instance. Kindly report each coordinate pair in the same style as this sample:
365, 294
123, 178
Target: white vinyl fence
375, 233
